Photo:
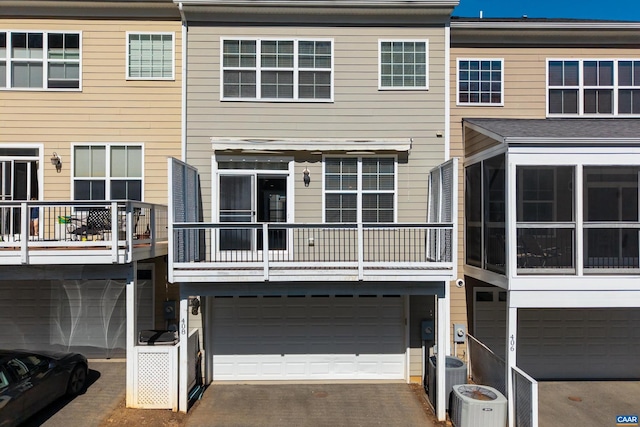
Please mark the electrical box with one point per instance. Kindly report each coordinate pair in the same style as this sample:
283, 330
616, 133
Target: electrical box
169, 309
428, 330
459, 333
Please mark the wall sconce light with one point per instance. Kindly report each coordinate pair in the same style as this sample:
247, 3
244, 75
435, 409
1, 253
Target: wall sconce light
57, 162
195, 305
306, 177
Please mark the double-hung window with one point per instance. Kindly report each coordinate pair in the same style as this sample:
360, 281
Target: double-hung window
360, 189
480, 82
403, 64
277, 69
150, 56
593, 87
107, 172
40, 60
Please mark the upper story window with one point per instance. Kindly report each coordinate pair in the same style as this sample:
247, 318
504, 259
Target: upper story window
39, 60
150, 56
268, 69
403, 64
480, 82
360, 189
107, 172
593, 87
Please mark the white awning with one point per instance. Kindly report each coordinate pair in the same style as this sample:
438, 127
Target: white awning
257, 145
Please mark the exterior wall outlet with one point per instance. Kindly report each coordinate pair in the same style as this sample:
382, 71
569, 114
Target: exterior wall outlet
459, 333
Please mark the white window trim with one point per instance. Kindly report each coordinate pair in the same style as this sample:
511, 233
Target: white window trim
359, 192
106, 178
479, 104
582, 87
173, 54
426, 70
44, 60
295, 69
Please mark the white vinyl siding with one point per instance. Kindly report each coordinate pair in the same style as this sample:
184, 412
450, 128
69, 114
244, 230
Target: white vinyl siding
593, 87
283, 69
403, 64
480, 81
360, 189
150, 56
40, 60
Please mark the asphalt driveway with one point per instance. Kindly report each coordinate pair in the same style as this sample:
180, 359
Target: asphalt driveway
302, 405
105, 389
586, 403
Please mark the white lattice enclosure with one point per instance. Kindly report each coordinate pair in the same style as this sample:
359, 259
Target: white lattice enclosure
156, 377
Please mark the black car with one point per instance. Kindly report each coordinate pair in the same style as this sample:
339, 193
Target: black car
29, 381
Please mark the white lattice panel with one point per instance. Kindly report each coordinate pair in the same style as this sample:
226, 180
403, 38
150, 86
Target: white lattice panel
156, 381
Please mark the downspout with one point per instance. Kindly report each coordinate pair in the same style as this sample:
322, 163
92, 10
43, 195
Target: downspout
183, 118
447, 91
183, 346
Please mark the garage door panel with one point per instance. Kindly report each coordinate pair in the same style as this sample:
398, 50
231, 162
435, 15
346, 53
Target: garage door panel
338, 338
579, 343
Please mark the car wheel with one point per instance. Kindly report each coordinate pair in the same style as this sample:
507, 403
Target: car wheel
77, 380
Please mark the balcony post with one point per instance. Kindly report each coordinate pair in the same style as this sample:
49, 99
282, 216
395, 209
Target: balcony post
360, 251
24, 232
265, 250
114, 232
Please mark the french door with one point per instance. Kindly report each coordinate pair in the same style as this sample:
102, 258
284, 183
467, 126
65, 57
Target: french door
18, 181
255, 198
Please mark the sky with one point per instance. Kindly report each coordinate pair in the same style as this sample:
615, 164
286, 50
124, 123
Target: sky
620, 10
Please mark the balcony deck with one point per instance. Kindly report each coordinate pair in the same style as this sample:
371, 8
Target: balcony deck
286, 252
73, 232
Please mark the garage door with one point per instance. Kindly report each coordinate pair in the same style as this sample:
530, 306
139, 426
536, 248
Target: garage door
579, 343
308, 338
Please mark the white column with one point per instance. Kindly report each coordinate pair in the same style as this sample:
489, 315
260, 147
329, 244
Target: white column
183, 355
512, 340
131, 363
443, 341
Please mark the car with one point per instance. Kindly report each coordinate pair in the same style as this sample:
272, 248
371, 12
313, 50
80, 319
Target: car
29, 381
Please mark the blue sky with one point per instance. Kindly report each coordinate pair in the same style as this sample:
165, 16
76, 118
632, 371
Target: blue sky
623, 10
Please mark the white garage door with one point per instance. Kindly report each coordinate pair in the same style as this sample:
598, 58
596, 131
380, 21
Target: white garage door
579, 343
303, 338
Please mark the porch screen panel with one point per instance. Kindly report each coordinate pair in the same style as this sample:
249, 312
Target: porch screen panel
186, 208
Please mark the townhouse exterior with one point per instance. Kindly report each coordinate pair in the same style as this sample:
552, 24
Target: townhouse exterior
90, 109
313, 228
546, 116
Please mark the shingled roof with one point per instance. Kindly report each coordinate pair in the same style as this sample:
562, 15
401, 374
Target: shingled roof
569, 130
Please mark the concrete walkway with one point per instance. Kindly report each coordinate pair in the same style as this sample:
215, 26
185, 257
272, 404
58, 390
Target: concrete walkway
586, 403
106, 388
312, 405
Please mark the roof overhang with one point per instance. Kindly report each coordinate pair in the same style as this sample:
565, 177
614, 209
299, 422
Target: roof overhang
262, 146
134, 9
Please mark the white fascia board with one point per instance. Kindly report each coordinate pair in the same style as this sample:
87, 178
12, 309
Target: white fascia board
484, 131
519, 140
574, 299
315, 3
320, 145
521, 25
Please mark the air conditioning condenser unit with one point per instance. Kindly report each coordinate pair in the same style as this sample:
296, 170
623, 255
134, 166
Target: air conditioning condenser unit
477, 406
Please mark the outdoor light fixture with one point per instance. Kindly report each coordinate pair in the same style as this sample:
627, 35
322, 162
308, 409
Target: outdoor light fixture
56, 161
306, 177
195, 305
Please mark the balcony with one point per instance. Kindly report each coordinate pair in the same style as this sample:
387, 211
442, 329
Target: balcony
75, 232
243, 252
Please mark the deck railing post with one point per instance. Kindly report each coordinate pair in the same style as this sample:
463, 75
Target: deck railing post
24, 232
360, 251
265, 250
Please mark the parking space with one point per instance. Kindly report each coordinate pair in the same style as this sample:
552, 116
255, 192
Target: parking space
106, 388
587, 403
317, 405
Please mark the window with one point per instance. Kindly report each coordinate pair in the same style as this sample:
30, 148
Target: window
39, 60
594, 87
150, 56
107, 172
480, 81
359, 189
403, 64
256, 69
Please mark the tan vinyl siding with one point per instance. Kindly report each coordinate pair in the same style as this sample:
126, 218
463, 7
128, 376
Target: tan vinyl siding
108, 109
359, 110
420, 308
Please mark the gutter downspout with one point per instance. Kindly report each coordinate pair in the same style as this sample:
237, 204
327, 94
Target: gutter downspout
183, 346
185, 35
447, 91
